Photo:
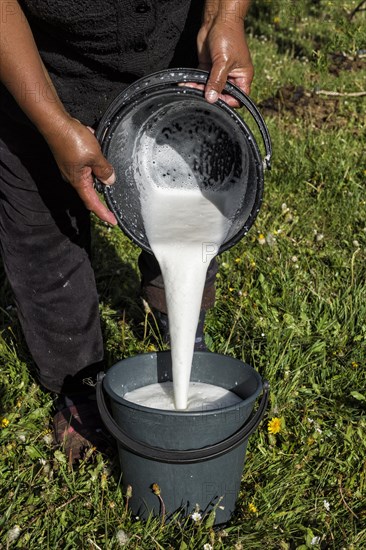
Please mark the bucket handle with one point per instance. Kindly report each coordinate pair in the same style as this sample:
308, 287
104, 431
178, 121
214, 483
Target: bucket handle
171, 456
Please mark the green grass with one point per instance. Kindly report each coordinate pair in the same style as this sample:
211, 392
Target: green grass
294, 307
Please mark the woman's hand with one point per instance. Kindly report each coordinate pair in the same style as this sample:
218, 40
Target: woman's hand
79, 157
223, 49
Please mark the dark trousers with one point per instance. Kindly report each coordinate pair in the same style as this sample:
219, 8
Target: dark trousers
45, 245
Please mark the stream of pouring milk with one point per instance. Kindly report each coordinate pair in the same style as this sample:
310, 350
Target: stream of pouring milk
185, 230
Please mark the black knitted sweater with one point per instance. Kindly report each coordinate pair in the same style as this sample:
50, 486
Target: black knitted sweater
94, 48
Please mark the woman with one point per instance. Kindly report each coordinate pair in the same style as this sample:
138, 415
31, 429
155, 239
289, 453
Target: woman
62, 63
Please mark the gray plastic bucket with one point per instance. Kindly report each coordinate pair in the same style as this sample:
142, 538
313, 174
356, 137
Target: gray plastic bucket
196, 458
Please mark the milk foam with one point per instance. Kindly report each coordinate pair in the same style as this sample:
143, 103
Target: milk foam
201, 397
185, 230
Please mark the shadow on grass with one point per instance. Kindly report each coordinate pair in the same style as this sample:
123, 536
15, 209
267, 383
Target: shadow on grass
117, 280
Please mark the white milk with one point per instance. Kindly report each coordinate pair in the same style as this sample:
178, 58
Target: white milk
185, 231
201, 397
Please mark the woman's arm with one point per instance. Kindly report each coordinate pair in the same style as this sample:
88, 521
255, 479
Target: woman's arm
223, 49
74, 147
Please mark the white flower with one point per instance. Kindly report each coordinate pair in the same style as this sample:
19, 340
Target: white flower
315, 540
207, 547
122, 537
326, 505
196, 516
48, 439
13, 534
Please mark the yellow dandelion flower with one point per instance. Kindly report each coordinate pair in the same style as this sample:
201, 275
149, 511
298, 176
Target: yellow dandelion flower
4, 422
252, 263
261, 238
252, 508
276, 20
274, 425
237, 260
354, 364
231, 289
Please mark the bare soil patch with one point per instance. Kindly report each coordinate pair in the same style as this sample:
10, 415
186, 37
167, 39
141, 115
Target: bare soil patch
317, 109
339, 61
298, 103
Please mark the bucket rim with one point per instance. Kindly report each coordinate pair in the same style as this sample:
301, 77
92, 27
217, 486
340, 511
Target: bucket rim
186, 413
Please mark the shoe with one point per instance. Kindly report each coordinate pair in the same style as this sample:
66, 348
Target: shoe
78, 427
163, 324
